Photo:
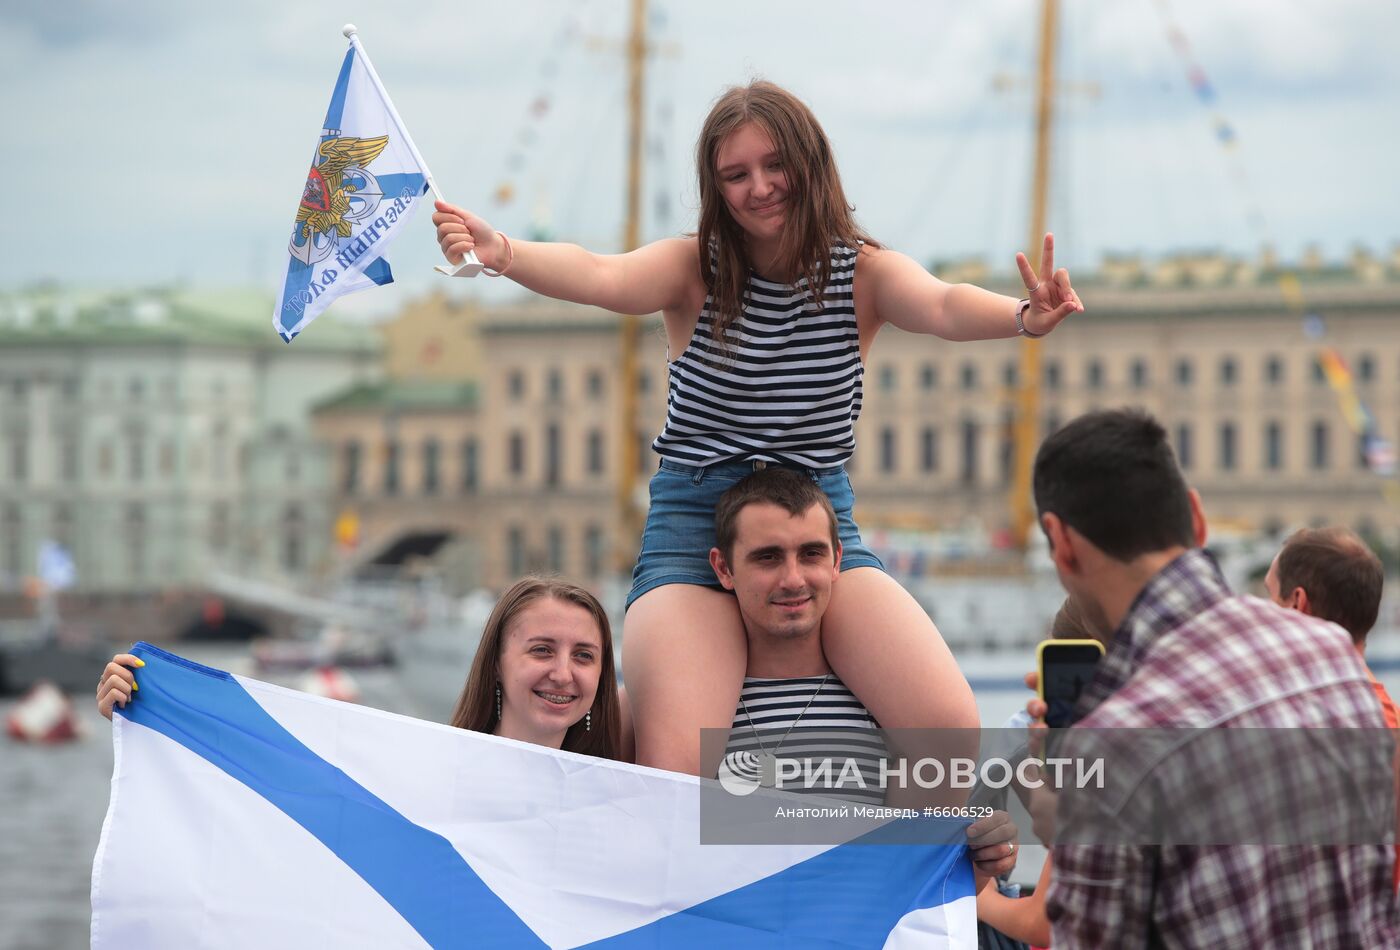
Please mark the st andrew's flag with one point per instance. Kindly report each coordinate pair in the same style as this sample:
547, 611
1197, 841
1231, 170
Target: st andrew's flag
244, 814
364, 183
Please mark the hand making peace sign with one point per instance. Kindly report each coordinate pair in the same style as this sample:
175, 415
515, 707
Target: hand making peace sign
1052, 298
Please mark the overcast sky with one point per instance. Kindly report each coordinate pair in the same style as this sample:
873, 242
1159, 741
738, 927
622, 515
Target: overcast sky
156, 142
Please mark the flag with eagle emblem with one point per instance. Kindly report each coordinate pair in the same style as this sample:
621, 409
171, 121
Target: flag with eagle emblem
364, 183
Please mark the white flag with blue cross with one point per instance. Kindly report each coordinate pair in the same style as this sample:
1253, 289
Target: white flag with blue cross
245, 814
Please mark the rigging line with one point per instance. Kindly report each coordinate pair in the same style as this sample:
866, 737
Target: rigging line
918, 213
525, 140
1224, 130
957, 144
1379, 452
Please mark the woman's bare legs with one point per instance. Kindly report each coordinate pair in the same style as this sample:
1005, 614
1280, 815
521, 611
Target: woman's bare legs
888, 652
683, 659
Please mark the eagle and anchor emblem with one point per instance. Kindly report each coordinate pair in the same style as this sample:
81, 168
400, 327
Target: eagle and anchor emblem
340, 192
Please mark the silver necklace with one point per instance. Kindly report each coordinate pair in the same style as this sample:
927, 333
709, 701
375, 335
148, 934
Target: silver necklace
768, 761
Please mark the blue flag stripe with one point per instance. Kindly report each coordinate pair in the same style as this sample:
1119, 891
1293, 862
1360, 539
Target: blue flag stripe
416, 870
337, 107
379, 272
829, 901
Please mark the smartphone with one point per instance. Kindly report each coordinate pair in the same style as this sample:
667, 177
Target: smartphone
1066, 667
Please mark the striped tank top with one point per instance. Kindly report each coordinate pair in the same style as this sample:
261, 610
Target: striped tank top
788, 389
831, 741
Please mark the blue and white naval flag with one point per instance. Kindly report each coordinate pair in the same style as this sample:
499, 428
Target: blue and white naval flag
244, 814
366, 180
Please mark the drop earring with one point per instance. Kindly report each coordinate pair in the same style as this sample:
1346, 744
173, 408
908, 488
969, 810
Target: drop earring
498, 702
588, 721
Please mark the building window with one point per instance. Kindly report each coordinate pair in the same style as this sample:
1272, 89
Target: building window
515, 454
1273, 446
350, 467
888, 379
1320, 446
1052, 423
19, 456
391, 467
515, 550
218, 526
595, 452
218, 451
1009, 374
970, 438
887, 449
552, 462
968, 375
292, 532
1361, 462
643, 382
1184, 449
554, 385
928, 376
1365, 369
136, 541
1052, 374
1138, 374
1227, 446
1229, 372
515, 384
1093, 374
644, 460
555, 545
104, 459
68, 458
136, 388
432, 462
167, 458
1273, 370
594, 551
928, 449
136, 458
1185, 372
12, 536
470, 474
1318, 375
1006, 449
595, 383
63, 527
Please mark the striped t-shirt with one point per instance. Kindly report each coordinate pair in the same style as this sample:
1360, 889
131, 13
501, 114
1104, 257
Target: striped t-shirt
787, 389
834, 736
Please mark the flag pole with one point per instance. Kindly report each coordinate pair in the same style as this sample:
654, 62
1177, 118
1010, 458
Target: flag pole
470, 265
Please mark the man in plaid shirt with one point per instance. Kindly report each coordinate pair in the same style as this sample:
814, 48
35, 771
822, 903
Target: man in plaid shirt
1125, 535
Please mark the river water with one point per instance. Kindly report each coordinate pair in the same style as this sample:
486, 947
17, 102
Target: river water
53, 798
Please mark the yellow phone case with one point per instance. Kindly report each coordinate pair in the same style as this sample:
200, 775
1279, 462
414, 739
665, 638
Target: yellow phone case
1040, 658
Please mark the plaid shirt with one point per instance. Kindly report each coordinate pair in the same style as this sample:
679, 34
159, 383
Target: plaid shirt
1191, 654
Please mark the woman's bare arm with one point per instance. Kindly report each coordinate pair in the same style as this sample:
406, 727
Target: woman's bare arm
660, 276
909, 297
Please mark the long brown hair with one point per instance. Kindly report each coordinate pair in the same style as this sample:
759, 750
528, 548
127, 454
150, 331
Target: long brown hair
818, 215
476, 707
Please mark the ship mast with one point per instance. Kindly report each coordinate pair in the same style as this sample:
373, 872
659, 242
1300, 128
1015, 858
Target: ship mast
629, 513
1028, 392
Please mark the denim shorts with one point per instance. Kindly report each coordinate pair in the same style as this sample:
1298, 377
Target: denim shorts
680, 529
